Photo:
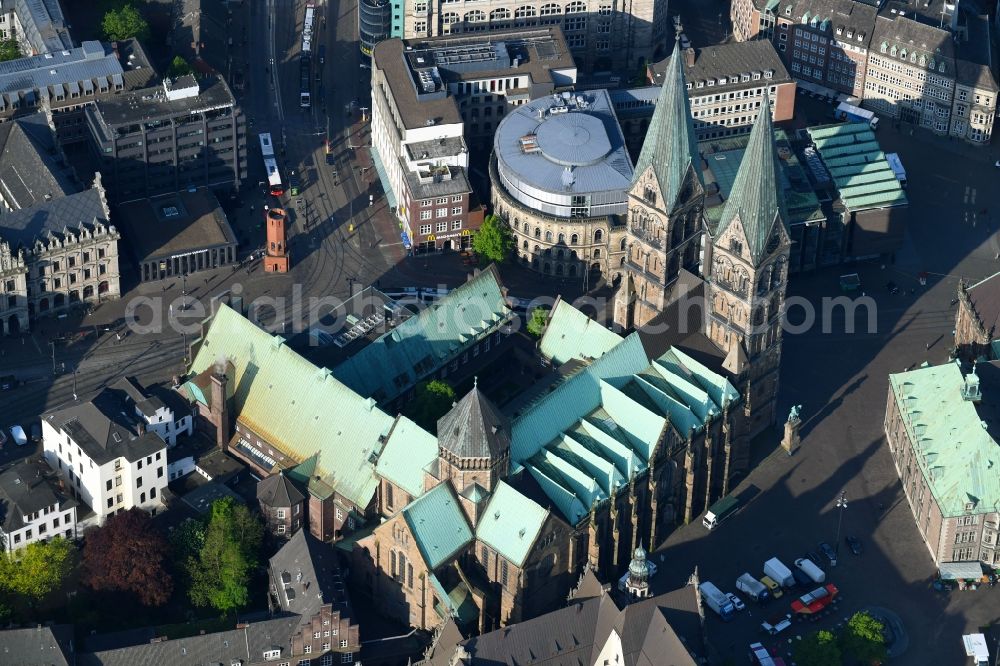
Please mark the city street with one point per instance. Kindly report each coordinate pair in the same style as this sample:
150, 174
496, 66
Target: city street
841, 380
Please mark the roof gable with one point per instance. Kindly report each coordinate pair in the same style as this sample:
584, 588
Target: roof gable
571, 334
511, 523
438, 525
474, 428
407, 451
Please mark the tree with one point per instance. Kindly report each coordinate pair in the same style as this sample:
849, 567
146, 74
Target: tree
178, 67
221, 571
818, 649
431, 401
9, 50
37, 569
863, 639
125, 23
127, 554
537, 320
494, 240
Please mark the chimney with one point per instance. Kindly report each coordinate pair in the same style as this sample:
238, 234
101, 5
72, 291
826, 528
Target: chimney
220, 411
689, 57
141, 428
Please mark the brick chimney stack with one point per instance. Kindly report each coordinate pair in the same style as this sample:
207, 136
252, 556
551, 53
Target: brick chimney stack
220, 410
689, 57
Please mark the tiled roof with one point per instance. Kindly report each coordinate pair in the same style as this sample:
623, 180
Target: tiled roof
278, 491
37, 646
510, 524
296, 407
407, 451
30, 172
730, 61
903, 32
850, 151
24, 489
438, 525
756, 201
669, 146
105, 428
474, 428
850, 15
416, 348
571, 334
583, 440
53, 218
953, 448
306, 575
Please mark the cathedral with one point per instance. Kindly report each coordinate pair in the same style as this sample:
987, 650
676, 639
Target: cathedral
740, 264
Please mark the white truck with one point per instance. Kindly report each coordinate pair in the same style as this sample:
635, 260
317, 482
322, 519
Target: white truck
717, 601
810, 569
753, 588
781, 574
856, 114
897, 167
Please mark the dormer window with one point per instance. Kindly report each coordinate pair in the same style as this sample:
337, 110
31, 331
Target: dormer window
700, 84
923, 61
768, 74
861, 36
902, 54
840, 30
850, 33
941, 67
756, 76
884, 47
893, 51
688, 85
711, 82
745, 77
913, 57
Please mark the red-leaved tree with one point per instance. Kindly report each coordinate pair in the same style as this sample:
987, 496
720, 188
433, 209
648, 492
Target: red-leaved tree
127, 554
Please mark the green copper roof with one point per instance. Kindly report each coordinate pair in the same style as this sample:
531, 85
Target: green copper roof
956, 454
406, 453
858, 166
438, 525
510, 524
395, 362
670, 147
298, 408
755, 199
571, 334
583, 440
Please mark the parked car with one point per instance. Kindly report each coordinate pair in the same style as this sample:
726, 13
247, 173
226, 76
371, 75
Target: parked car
8, 383
801, 578
829, 554
772, 586
737, 602
36, 432
777, 625
17, 433
854, 544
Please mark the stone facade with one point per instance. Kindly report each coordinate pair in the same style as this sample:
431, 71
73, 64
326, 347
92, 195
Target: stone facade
13, 291
972, 335
604, 36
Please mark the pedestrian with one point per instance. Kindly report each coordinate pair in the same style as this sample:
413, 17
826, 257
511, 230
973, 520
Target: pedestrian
928, 346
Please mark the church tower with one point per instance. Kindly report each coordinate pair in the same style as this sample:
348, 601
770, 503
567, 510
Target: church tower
666, 202
748, 258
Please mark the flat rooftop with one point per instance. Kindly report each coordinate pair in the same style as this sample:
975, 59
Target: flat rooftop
174, 224
149, 104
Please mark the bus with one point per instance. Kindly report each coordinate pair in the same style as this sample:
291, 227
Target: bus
275, 187
305, 100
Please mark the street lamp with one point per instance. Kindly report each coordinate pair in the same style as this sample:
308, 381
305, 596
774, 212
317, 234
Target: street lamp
841, 504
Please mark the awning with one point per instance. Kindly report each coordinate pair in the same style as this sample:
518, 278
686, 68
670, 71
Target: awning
406, 239
383, 176
961, 570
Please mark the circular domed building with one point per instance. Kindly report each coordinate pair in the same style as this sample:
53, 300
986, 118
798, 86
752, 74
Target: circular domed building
560, 175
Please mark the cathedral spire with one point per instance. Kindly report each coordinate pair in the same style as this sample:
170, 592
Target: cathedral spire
670, 147
754, 199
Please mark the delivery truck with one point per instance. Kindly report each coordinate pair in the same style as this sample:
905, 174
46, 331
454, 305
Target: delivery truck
753, 588
897, 167
810, 569
717, 601
781, 574
719, 511
856, 114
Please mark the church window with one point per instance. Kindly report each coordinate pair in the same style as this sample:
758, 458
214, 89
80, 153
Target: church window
649, 195
735, 246
388, 495
486, 557
392, 563
402, 568
409, 575
503, 573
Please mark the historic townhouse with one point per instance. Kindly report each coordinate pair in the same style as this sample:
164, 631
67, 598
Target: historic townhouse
33, 506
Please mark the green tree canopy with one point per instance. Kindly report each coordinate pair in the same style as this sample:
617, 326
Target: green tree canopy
37, 569
537, 320
494, 240
9, 50
220, 572
431, 401
178, 67
862, 638
818, 649
128, 554
125, 23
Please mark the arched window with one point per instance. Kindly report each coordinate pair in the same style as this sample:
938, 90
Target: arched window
562, 239
622, 245
449, 17
598, 236
549, 9
572, 254
525, 246
538, 232
574, 239
392, 563
548, 236
548, 268
537, 249
525, 12
501, 14
475, 17
597, 253
576, 7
